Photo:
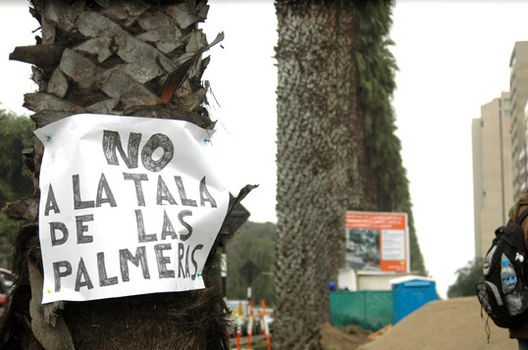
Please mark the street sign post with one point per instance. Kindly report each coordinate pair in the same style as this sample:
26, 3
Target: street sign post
249, 272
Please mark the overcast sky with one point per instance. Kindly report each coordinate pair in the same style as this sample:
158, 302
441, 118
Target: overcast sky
453, 57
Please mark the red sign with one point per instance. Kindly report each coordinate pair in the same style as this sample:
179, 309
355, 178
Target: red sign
377, 241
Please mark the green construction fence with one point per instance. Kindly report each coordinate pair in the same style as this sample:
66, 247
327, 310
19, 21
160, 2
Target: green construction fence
369, 309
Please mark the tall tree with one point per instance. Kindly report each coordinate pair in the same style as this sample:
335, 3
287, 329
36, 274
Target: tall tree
467, 278
134, 57
15, 135
321, 161
336, 149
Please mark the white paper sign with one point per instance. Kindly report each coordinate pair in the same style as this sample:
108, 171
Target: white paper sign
393, 244
128, 206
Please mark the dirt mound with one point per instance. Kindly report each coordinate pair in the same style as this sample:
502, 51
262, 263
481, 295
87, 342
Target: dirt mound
356, 331
345, 338
444, 325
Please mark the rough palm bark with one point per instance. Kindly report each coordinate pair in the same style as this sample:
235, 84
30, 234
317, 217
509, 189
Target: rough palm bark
139, 58
321, 164
337, 150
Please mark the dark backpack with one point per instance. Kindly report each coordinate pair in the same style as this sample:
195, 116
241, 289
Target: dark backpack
504, 293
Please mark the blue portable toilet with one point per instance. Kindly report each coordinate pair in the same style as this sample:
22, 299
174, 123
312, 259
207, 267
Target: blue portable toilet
409, 293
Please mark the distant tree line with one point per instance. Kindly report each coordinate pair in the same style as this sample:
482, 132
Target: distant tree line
15, 135
467, 278
255, 242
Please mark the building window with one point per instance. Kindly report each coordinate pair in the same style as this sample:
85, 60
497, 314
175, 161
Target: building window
512, 65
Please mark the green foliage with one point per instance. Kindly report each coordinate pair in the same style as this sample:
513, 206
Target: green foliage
15, 135
375, 78
467, 278
8, 228
255, 242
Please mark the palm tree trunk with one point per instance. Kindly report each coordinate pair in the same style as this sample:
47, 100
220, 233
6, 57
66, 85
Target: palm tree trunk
139, 58
336, 149
321, 164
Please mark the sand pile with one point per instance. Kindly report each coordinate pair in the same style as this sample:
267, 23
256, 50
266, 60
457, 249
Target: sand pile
346, 338
444, 325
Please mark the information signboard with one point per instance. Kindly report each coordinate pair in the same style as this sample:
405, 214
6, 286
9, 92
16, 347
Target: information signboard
377, 241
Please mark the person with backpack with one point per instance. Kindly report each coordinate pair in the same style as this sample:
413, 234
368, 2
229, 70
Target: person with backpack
519, 210
503, 294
